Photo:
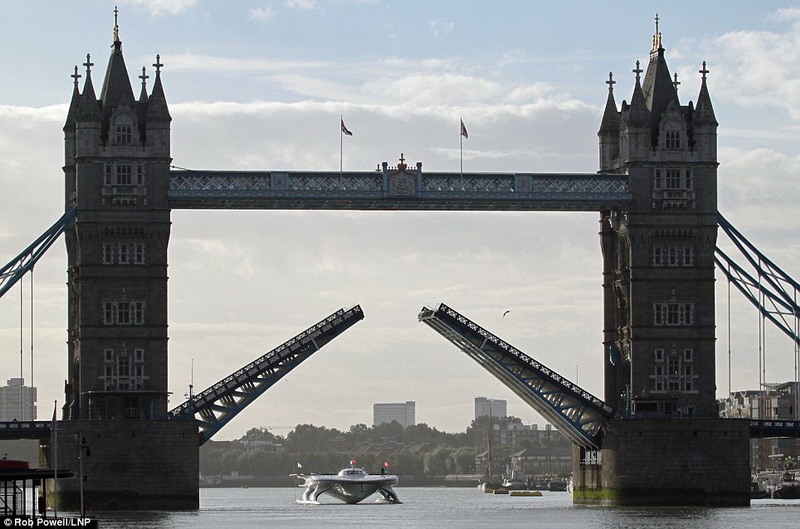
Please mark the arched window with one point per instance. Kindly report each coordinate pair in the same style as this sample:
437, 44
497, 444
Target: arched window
123, 136
673, 139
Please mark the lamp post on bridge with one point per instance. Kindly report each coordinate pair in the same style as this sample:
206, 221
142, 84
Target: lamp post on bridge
81, 448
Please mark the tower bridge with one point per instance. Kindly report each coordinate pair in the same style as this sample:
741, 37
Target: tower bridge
656, 195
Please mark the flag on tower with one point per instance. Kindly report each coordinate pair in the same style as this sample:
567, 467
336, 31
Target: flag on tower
344, 128
464, 130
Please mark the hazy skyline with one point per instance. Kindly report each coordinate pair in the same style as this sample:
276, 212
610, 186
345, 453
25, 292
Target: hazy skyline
261, 85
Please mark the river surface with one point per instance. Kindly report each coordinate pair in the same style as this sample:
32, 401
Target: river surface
462, 508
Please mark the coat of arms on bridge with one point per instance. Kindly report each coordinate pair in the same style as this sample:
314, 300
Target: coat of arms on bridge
402, 183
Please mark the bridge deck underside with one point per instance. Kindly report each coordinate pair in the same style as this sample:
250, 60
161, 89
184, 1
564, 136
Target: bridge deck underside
217, 405
577, 414
385, 191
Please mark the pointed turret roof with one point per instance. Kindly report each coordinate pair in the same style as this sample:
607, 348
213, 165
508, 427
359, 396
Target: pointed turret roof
88, 107
157, 104
704, 112
72, 113
116, 86
638, 112
658, 87
611, 119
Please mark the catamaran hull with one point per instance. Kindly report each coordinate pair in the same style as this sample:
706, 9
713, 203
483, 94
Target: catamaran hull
350, 491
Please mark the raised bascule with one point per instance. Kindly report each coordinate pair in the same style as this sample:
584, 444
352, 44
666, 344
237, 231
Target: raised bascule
653, 438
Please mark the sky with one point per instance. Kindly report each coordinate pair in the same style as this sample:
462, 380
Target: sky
262, 85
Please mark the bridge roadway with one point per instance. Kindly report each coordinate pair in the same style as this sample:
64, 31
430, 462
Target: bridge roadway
43, 429
396, 188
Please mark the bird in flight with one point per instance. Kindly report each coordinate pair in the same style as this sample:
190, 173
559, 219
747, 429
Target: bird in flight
506, 312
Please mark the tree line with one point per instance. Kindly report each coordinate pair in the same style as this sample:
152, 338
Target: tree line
414, 450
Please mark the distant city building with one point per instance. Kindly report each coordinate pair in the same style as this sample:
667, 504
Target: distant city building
774, 402
402, 412
493, 407
17, 401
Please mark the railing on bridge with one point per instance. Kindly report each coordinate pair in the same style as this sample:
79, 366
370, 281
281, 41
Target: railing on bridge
25, 429
577, 413
217, 405
396, 189
774, 428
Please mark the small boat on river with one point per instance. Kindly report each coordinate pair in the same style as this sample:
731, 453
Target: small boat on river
350, 485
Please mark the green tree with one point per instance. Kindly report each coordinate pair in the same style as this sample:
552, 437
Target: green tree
436, 461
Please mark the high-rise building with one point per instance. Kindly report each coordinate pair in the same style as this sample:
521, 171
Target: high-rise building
17, 401
493, 407
402, 412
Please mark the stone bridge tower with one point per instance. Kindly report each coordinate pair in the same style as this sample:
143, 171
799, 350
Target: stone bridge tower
659, 254
669, 447
116, 169
117, 158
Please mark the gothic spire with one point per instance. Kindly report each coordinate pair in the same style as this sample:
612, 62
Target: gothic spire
72, 113
704, 111
157, 104
638, 111
116, 86
88, 108
610, 122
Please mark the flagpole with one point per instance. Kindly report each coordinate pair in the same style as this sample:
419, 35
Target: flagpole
341, 142
55, 459
461, 145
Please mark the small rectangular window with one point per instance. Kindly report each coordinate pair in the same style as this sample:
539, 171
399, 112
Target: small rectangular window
672, 256
138, 355
138, 253
687, 313
123, 134
123, 253
688, 256
124, 175
658, 256
659, 355
658, 314
673, 314
108, 355
673, 179
123, 313
659, 179
688, 355
108, 253
138, 312
108, 313
124, 366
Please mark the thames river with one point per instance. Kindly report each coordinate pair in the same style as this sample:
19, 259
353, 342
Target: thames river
228, 508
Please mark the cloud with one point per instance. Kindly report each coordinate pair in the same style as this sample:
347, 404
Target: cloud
441, 29
164, 7
262, 14
307, 5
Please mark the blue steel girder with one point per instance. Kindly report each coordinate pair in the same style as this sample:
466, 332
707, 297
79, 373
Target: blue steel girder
26, 260
214, 407
579, 415
394, 189
771, 290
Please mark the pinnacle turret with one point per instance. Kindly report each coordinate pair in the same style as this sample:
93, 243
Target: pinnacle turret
704, 111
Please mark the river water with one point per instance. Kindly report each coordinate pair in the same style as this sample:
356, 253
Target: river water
439, 508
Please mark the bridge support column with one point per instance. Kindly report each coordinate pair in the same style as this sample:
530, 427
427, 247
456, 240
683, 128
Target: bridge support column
130, 465
667, 462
